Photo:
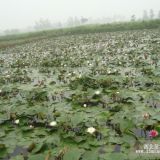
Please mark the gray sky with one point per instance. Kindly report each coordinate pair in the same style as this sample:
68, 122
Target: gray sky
23, 13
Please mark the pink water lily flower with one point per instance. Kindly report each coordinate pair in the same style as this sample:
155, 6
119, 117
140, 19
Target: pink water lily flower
153, 133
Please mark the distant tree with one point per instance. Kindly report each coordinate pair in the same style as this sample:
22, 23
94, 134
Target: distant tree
77, 22
84, 20
158, 15
43, 24
11, 31
145, 15
70, 22
151, 14
59, 25
73, 21
133, 18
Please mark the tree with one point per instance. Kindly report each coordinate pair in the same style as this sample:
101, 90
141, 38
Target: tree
43, 24
158, 15
11, 31
151, 14
77, 22
145, 15
83, 20
133, 18
70, 22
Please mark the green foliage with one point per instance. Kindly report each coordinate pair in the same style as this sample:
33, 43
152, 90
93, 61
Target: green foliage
81, 97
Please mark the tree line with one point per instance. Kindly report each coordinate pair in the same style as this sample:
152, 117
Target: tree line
45, 24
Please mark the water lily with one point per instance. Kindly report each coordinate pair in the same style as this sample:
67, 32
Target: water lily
8, 76
16, 121
79, 76
91, 130
153, 133
53, 123
146, 115
97, 92
85, 105
31, 126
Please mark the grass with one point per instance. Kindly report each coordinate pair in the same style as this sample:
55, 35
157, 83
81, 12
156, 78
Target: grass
12, 40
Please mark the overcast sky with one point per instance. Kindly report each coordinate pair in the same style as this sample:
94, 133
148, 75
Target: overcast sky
23, 13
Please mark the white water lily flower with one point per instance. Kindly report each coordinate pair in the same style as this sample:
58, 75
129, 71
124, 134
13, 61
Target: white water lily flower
16, 121
97, 92
8, 76
53, 123
146, 115
85, 105
31, 126
91, 130
79, 76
